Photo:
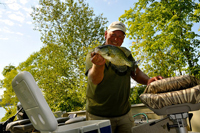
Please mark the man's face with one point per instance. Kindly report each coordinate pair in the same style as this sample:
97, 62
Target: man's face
115, 38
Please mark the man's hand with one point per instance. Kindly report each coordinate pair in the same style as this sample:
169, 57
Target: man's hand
97, 59
154, 79
96, 73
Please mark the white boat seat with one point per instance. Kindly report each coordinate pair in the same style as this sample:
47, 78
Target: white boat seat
173, 95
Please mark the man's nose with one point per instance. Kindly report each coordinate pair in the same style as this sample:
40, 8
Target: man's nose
116, 38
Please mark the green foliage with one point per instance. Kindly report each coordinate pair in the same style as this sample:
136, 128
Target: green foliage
135, 93
164, 38
8, 69
9, 98
68, 30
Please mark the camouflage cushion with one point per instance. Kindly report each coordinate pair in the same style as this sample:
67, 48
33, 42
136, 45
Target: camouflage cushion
171, 91
20, 126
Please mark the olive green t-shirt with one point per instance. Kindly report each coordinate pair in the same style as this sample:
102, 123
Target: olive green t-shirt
110, 98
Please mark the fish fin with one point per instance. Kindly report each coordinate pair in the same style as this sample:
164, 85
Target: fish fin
129, 64
125, 50
135, 63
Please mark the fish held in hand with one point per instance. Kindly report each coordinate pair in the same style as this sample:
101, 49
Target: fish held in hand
114, 54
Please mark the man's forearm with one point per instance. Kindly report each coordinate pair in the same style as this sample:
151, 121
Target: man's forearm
96, 74
140, 77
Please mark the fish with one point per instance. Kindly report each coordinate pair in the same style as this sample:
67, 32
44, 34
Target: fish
114, 54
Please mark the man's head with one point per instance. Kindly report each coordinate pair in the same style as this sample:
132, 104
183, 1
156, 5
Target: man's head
117, 25
115, 34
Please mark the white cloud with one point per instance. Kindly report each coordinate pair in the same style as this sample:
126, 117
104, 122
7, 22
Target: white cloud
16, 17
23, 1
5, 38
18, 33
1, 12
29, 10
13, 6
7, 30
11, 1
19, 13
6, 13
6, 21
29, 22
109, 2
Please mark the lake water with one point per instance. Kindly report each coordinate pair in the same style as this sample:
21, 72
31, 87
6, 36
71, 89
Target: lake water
2, 112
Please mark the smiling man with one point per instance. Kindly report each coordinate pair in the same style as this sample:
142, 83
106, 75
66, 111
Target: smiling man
109, 86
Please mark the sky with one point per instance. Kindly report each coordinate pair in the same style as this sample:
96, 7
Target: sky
18, 40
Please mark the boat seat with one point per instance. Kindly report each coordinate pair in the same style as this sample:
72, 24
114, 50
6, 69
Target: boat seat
173, 95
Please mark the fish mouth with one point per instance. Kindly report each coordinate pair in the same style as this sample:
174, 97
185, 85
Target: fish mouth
100, 47
97, 49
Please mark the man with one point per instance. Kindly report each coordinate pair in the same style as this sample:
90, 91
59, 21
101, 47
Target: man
109, 85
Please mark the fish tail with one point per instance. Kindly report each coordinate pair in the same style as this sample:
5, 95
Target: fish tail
130, 64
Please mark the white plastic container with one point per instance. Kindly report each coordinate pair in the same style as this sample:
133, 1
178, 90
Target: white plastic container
40, 113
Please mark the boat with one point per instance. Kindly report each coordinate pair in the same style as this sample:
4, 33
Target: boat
179, 118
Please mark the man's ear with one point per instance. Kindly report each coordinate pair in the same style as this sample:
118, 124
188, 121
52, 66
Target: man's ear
106, 32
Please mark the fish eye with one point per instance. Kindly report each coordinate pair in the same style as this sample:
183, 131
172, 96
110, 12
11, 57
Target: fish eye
100, 47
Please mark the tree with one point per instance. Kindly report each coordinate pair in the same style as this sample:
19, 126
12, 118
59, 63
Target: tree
55, 76
8, 69
135, 93
9, 72
164, 38
5, 71
8, 98
68, 30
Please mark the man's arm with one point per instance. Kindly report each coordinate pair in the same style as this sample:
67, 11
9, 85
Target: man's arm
139, 76
96, 73
142, 78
